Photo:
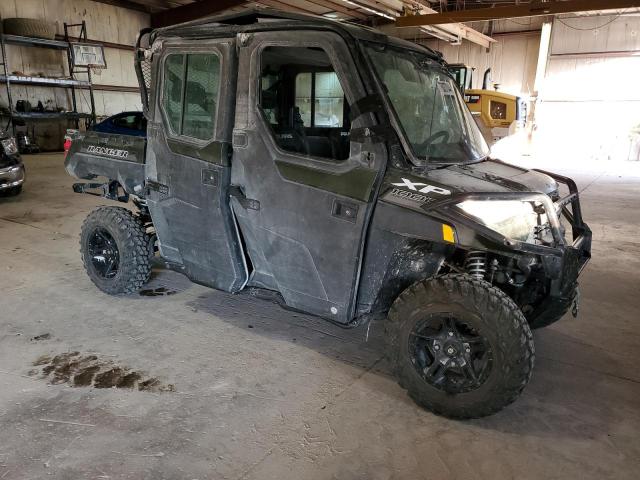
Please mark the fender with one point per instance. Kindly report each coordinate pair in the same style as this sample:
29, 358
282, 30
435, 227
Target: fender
403, 247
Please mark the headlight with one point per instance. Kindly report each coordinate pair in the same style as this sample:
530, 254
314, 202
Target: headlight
9, 146
513, 219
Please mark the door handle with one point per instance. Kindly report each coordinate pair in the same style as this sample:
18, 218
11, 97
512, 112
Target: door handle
247, 203
345, 210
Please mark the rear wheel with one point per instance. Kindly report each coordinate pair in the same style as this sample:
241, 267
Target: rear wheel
115, 250
460, 347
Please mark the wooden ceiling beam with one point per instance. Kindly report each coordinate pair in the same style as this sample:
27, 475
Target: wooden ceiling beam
284, 6
462, 31
458, 30
339, 7
192, 11
126, 4
532, 9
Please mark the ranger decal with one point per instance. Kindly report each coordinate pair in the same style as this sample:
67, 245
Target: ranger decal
111, 152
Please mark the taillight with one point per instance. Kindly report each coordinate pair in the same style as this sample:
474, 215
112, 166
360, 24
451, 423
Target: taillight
67, 146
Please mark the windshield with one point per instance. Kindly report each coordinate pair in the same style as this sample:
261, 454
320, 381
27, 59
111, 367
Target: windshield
429, 107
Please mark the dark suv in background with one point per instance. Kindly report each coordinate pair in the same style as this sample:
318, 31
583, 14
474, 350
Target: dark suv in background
12, 174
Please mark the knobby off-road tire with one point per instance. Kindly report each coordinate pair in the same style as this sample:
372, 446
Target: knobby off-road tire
115, 229
485, 317
29, 27
11, 192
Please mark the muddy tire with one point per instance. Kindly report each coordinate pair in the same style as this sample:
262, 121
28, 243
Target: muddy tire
115, 250
11, 192
29, 27
460, 347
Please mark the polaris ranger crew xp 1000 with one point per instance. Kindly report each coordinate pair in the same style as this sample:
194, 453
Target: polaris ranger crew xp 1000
340, 170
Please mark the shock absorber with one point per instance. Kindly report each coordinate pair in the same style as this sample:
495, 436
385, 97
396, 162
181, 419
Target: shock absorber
476, 264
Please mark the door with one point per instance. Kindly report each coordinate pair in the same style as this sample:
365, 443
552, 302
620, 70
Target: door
187, 166
305, 188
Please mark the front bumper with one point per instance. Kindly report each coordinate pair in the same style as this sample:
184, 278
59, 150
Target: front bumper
11, 177
565, 269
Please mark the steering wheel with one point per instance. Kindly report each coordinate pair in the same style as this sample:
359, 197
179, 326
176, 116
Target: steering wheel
442, 133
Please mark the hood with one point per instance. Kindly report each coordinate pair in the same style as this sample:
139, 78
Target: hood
494, 176
486, 176
414, 189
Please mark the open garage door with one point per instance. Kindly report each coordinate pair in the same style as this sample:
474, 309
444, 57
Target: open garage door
590, 101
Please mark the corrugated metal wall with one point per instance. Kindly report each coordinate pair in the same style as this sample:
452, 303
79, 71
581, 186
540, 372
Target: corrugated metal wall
512, 60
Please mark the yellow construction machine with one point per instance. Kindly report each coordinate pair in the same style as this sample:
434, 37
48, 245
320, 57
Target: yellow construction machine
497, 114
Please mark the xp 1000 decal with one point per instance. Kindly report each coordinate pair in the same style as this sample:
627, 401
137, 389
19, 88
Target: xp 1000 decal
414, 194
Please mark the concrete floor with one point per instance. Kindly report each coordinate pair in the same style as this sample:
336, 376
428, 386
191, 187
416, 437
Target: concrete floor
262, 393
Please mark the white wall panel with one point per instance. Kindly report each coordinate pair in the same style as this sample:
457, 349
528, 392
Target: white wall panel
512, 60
104, 23
595, 34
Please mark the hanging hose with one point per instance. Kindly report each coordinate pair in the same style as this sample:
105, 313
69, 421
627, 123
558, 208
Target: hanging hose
476, 264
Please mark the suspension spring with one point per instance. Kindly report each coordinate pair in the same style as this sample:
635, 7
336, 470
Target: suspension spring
476, 264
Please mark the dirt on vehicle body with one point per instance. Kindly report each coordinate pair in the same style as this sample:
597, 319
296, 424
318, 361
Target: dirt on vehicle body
341, 169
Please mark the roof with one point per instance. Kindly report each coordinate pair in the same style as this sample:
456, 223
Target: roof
266, 19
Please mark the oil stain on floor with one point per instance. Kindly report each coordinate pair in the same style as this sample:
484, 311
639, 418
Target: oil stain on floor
157, 292
89, 371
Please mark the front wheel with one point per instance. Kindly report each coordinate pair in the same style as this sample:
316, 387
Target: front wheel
116, 250
461, 348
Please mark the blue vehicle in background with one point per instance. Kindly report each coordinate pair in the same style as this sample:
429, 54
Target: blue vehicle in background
124, 123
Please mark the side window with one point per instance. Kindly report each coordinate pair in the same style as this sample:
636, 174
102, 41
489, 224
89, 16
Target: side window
320, 93
203, 80
302, 100
304, 96
172, 94
328, 99
191, 84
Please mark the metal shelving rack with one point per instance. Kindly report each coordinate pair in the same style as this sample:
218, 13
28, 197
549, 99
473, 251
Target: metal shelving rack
72, 83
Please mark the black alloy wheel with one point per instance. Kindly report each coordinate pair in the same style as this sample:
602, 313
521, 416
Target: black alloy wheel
103, 252
116, 250
449, 354
459, 346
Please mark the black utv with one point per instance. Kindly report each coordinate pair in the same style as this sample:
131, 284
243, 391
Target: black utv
339, 169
